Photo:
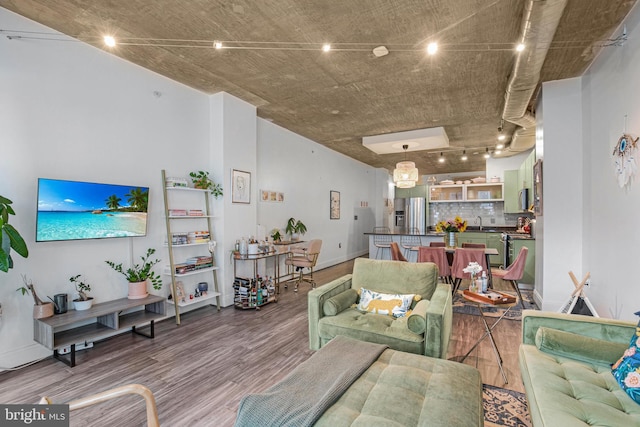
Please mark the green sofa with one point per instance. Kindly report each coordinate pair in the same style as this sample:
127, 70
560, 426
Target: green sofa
565, 362
425, 331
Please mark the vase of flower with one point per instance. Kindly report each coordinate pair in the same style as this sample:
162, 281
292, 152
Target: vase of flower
450, 239
450, 228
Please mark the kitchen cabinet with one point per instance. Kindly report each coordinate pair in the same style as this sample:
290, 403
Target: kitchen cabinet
491, 240
529, 276
488, 192
406, 193
511, 191
516, 180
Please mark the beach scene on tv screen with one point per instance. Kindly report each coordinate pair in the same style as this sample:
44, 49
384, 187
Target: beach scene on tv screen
72, 210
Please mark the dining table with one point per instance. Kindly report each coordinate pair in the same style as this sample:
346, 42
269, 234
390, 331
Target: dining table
488, 252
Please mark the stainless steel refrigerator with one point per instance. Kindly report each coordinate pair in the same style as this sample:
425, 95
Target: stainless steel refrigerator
415, 214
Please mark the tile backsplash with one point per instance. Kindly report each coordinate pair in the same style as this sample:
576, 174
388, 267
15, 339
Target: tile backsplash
492, 213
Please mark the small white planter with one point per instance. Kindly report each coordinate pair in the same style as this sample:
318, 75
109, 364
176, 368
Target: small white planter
82, 305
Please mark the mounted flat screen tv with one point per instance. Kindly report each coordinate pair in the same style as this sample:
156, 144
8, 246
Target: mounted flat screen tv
75, 210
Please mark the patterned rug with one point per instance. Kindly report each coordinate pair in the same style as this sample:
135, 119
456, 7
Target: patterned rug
504, 407
462, 306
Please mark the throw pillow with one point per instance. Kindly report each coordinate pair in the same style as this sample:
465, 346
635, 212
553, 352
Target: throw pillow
627, 369
578, 347
340, 302
395, 305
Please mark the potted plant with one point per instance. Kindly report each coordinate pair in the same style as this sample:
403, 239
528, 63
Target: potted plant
9, 237
295, 228
201, 180
139, 274
40, 309
275, 235
84, 301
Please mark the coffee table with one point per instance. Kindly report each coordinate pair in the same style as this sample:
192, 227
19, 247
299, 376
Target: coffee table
485, 300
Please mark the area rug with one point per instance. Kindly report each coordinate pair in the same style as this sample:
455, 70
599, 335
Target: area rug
504, 407
462, 306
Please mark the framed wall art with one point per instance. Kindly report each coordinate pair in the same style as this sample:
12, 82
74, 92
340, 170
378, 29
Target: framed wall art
241, 191
537, 187
334, 204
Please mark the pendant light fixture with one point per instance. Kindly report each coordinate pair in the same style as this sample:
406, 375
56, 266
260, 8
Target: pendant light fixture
405, 175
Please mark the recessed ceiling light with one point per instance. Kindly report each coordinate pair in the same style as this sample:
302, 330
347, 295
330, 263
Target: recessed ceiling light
520, 47
432, 48
217, 44
109, 41
326, 47
380, 51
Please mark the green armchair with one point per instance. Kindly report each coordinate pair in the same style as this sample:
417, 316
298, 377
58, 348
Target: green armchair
425, 331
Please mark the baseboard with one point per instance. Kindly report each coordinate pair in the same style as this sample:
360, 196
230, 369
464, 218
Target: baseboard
20, 356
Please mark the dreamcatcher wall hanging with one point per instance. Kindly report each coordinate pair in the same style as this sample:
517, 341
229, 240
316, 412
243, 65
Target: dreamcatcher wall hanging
624, 155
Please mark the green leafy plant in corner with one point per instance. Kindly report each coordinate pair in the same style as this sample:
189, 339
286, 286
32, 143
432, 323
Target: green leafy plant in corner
201, 180
140, 272
9, 237
81, 287
295, 226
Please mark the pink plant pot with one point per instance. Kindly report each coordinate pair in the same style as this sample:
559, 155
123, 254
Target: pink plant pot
137, 290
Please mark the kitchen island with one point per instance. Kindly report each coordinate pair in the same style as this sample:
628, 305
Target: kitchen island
490, 236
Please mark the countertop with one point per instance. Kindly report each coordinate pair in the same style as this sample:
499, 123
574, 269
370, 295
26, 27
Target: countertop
432, 232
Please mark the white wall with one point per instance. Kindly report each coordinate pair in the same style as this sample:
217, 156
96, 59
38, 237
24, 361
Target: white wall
563, 191
589, 222
306, 172
71, 111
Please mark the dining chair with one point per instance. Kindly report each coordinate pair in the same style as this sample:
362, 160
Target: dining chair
410, 243
438, 256
514, 272
396, 254
461, 259
302, 258
382, 240
473, 245
437, 244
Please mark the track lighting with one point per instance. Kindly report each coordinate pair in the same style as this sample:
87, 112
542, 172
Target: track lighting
441, 159
487, 154
464, 156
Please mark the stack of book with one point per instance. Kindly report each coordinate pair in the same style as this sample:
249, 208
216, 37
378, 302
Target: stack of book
179, 238
196, 212
198, 236
200, 262
177, 212
176, 182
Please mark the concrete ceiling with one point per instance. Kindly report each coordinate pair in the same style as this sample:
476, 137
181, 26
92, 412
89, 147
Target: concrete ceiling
272, 59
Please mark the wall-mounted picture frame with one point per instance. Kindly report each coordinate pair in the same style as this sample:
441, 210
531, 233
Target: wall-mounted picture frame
241, 190
537, 188
334, 204
271, 196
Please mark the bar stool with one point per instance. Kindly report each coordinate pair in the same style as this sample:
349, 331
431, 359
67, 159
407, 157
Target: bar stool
396, 255
410, 243
438, 256
514, 272
461, 259
382, 241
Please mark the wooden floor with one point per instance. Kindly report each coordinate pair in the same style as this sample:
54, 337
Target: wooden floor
200, 370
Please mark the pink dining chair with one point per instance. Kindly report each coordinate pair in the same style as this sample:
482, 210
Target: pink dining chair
438, 256
473, 245
461, 259
396, 253
514, 272
437, 244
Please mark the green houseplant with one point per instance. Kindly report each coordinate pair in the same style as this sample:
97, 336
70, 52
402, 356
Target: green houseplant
84, 301
40, 309
200, 179
295, 227
139, 274
9, 237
